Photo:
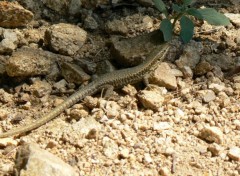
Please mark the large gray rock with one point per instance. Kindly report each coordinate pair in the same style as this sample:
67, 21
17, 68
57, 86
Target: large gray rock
74, 7
65, 38
59, 6
32, 160
190, 57
225, 62
132, 51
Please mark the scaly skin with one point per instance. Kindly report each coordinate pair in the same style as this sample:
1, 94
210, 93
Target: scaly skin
116, 79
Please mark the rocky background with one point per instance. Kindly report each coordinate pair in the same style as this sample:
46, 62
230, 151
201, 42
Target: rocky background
187, 122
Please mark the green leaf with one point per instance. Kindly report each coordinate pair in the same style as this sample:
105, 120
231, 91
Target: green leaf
213, 17
159, 4
166, 28
176, 8
194, 12
187, 28
187, 2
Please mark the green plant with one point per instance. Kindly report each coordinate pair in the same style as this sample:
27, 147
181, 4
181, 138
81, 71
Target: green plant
182, 12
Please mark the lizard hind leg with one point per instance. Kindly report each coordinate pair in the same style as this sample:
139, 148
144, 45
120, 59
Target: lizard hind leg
106, 91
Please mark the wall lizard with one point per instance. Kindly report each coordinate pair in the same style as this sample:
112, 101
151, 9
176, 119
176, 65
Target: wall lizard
115, 79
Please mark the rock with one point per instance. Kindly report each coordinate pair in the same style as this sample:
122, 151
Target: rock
169, 151
59, 6
34, 35
90, 23
130, 90
14, 15
112, 109
225, 62
60, 85
78, 112
4, 114
147, 22
216, 87
10, 40
207, 95
33, 62
151, 99
237, 124
164, 171
124, 153
28, 62
234, 18
4, 142
32, 160
163, 77
5, 97
74, 7
90, 102
85, 125
177, 72
190, 57
236, 86
116, 27
236, 79
130, 52
110, 148
224, 100
159, 126
202, 68
147, 158
40, 88
95, 3
65, 38
187, 72
215, 149
217, 71
73, 73
26, 106
179, 113
212, 134
234, 153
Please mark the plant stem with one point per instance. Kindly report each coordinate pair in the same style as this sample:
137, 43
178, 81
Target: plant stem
177, 18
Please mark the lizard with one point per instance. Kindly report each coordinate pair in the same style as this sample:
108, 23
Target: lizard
115, 79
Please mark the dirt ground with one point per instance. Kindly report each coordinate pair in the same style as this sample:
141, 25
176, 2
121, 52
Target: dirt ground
194, 131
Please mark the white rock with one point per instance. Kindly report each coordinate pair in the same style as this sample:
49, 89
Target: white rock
237, 123
147, 158
179, 113
4, 142
235, 18
110, 148
216, 87
234, 153
32, 160
151, 99
124, 153
161, 126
